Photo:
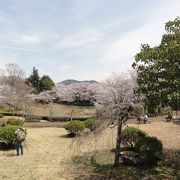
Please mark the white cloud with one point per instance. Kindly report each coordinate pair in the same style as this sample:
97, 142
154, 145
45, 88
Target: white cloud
80, 39
82, 8
20, 48
126, 46
31, 39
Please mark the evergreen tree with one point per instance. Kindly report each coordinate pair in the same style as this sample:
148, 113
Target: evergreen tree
46, 83
34, 80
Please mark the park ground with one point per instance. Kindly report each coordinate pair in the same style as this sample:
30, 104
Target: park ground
49, 151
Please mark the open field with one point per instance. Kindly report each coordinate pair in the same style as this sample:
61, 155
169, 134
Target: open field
49, 151
62, 110
55, 110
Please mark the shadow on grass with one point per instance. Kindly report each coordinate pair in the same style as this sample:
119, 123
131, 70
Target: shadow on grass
177, 122
167, 168
67, 136
6, 147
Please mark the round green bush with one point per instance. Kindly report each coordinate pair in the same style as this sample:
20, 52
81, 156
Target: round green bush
91, 124
14, 121
7, 134
75, 127
131, 138
151, 149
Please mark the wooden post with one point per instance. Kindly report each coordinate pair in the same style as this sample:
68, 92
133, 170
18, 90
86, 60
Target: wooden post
71, 114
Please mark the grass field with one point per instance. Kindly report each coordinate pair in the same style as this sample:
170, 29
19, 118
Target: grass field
62, 110
58, 110
49, 152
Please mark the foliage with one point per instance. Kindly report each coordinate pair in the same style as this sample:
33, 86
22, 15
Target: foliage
83, 95
7, 134
14, 90
119, 88
14, 121
151, 149
132, 138
46, 83
158, 70
40, 84
101, 162
34, 80
75, 127
91, 124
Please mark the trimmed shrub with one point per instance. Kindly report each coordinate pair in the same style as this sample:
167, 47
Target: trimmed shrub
7, 134
151, 149
131, 138
14, 121
75, 127
1, 115
91, 124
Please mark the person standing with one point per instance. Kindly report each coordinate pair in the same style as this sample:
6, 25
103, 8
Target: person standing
145, 118
20, 137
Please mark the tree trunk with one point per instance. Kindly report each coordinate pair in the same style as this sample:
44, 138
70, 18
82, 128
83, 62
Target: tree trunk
118, 143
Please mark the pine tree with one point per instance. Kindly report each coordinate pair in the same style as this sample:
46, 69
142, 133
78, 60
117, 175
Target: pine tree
34, 80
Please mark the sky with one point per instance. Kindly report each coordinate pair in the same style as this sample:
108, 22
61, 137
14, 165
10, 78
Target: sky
80, 39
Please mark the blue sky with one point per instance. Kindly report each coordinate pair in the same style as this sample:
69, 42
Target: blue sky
80, 39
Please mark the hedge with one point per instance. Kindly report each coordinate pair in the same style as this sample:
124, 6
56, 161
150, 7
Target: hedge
14, 121
7, 134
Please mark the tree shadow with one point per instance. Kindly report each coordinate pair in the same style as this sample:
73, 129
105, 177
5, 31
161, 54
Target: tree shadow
6, 147
167, 168
67, 136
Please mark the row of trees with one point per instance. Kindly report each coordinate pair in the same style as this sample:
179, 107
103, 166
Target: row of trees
119, 88
15, 89
116, 89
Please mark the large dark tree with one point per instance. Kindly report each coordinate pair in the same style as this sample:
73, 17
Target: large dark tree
34, 80
46, 83
158, 69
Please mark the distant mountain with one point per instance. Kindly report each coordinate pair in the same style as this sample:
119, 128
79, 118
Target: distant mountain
71, 81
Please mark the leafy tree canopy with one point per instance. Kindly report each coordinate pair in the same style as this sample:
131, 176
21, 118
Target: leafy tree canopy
158, 69
40, 84
46, 83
